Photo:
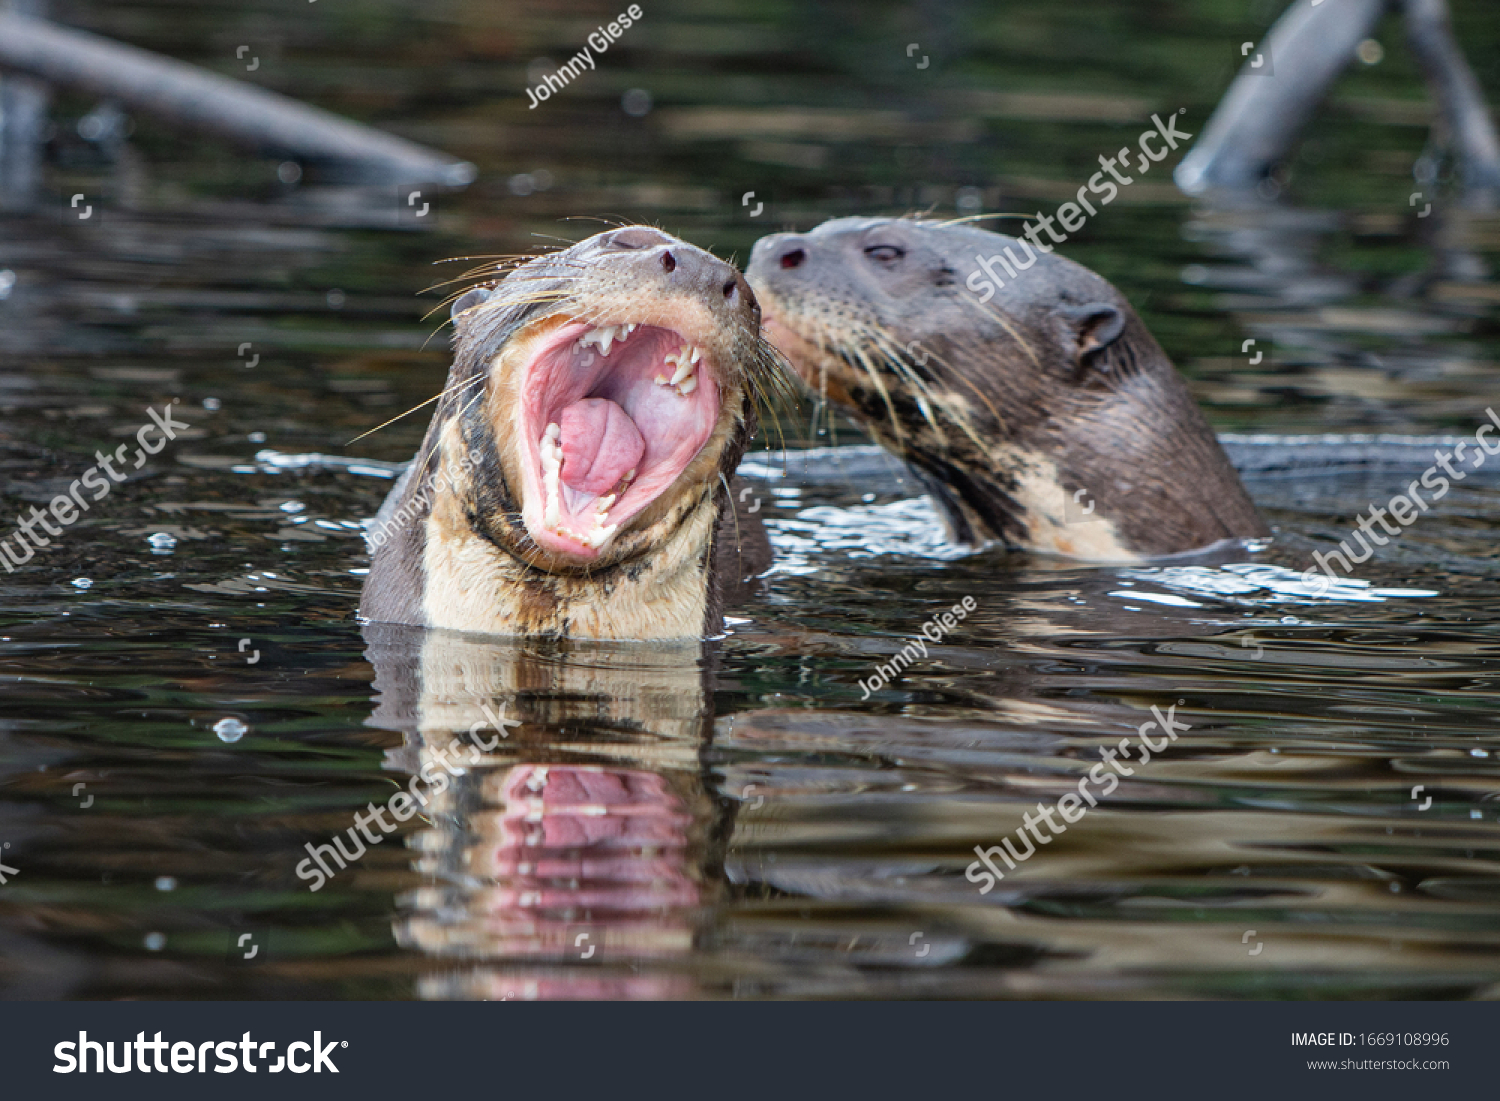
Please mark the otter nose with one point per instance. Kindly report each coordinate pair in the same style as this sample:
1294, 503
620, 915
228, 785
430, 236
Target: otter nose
651, 254
781, 250
690, 268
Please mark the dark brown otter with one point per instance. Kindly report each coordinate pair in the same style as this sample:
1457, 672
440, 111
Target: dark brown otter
575, 474
1022, 386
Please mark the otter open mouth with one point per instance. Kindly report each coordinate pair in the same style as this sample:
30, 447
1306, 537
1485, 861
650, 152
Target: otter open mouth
610, 417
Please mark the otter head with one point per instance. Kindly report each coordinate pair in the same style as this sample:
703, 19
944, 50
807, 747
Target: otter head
1024, 389
573, 471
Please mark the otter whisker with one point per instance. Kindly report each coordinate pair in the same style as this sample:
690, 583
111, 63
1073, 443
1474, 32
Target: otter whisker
414, 408
922, 395
979, 218
565, 245
733, 511
819, 404
503, 266
869, 368
607, 219
1005, 324
525, 298
509, 267
963, 422
958, 415
483, 278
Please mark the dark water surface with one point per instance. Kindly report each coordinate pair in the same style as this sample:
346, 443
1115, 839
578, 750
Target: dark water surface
188, 699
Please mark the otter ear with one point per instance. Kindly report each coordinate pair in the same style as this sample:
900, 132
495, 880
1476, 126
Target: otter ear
1096, 326
469, 300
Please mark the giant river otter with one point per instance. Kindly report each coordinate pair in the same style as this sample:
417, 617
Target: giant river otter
1021, 386
574, 477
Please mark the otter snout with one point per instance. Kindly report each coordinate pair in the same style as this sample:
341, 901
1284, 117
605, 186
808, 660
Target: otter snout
780, 257
779, 251
670, 266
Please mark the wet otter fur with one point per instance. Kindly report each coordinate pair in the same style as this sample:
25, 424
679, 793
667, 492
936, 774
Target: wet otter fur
573, 482
1031, 398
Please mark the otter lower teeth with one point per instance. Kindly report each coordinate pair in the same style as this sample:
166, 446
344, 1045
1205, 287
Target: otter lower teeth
601, 533
550, 450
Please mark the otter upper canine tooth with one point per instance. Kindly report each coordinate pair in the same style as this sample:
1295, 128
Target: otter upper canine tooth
603, 337
685, 361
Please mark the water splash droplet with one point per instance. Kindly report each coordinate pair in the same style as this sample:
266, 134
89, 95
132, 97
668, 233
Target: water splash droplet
230, 730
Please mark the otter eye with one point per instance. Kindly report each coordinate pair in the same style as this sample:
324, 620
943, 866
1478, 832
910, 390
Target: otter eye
885, 254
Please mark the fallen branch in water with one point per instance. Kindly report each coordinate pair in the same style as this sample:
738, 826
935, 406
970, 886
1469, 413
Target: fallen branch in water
1257, 123
185, 94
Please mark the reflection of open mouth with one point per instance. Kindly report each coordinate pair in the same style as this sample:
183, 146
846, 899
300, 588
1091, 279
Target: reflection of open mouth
610, 417
610, 840
575, 863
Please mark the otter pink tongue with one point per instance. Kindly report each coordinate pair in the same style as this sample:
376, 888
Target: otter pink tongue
600, 444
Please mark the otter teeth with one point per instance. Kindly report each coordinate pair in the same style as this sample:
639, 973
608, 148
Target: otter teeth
549, 449
605, 336
601, 338
600, 534
685, 363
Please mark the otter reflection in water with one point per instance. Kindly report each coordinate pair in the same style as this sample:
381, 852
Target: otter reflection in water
582, 838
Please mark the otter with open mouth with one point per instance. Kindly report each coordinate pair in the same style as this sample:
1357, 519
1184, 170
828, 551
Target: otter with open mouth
1032, 401
574, 479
